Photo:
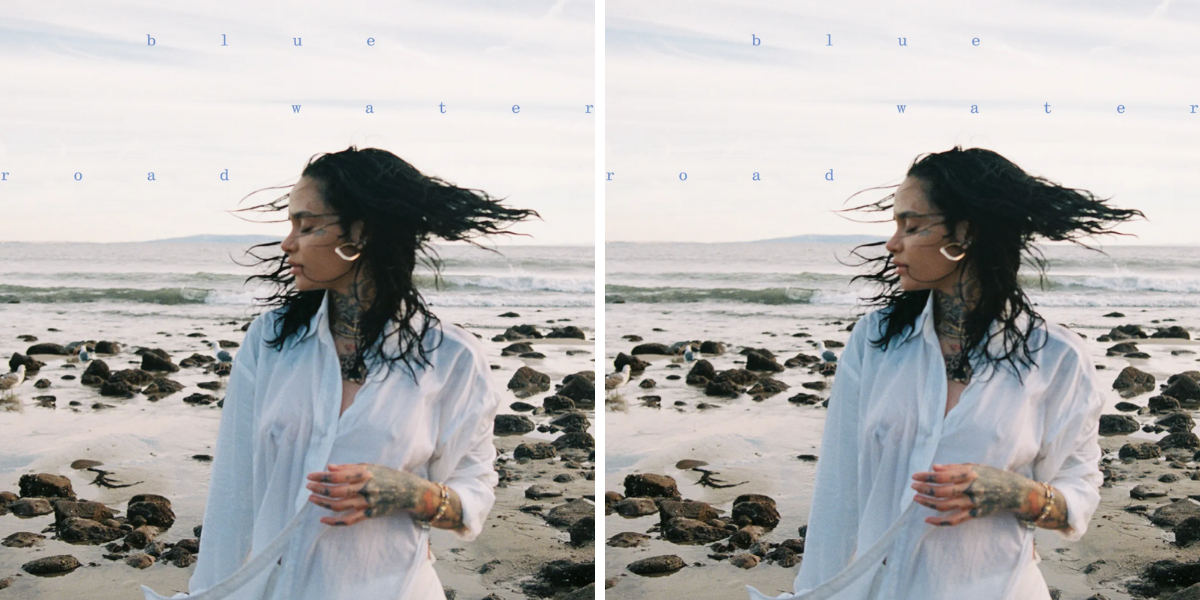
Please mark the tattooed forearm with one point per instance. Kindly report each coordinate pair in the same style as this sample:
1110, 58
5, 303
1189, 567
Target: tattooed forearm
389, 490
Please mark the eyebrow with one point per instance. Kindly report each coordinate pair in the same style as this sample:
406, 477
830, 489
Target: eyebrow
909, 214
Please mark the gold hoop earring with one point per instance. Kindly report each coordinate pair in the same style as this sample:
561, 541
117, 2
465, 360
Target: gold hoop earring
339, 252
953, 258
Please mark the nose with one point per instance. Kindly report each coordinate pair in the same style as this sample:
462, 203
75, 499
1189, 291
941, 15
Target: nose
288, 244
893, 244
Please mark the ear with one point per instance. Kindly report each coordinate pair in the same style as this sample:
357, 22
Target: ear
961, 231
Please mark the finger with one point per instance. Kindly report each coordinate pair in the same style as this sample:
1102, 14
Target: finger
355, 503
344, 520
961, 474
946, 490
949, 520
345, 476
336, 491
942, 505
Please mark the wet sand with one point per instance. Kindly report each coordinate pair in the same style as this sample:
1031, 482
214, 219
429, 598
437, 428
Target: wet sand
151, 444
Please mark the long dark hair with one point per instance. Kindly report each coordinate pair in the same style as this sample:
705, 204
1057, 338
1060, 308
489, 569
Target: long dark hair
401, 209
1005, 209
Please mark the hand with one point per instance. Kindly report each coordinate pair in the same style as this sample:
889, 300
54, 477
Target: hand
365, 490
972, 491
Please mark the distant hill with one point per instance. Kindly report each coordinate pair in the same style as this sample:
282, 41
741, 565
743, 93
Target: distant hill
823, 239
222, 239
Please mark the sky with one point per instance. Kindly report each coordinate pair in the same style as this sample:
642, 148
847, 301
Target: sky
83, 92
689, 92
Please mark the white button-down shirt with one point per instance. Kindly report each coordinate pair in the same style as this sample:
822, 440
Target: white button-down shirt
281, 422
885, 423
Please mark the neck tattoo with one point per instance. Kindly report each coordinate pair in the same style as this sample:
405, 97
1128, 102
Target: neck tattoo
347, 312
950, 322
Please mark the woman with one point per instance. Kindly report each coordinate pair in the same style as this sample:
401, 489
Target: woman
315, 415
959, 420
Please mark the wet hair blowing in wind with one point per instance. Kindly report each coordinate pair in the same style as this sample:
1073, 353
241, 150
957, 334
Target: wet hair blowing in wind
1006, 211
401, 209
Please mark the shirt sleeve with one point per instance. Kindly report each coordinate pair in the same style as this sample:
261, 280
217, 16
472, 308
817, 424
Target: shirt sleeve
464, 456
228, 511
833, 518
1070, 455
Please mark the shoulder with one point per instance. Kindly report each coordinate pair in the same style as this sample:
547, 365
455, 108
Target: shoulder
1065, 347
455, 345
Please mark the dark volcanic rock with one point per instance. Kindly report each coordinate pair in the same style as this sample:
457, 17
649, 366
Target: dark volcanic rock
46, 485
535, 451
635, 507
566, 515
758, 362
572, 421
1174, 331
650, 348
1187, 531
153, 509
1186, 390
767, 387
583, 531
512, 425
48, 348
1180, 440
580, 388
50, 565
154, 362
636, 365
30, 507
700, 511
656, 565
87, 531
1144, 491
758, 508
557, 404
574, 439
117, 389
517, 348
1171, 515
67, 509
702, 372
628, 539
527, 382
1117, 424
711, 347
1140, 451
690, 531
23, 539
1159, 404
651, 485
1132, 381
200, 399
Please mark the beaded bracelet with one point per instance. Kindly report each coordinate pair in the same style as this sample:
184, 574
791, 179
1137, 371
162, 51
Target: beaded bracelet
441, 509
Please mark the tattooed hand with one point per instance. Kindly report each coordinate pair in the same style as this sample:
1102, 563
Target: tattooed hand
971, 491
368, 490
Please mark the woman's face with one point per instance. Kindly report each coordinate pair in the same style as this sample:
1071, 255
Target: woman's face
315, 233
920, 232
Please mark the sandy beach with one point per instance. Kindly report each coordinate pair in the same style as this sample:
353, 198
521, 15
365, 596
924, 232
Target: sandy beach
162, 446
719, 448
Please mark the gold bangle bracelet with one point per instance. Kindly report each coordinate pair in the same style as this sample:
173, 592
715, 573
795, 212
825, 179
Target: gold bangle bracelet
441, 509
1049, 504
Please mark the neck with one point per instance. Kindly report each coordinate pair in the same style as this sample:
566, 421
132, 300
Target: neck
348, 307
951, 308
